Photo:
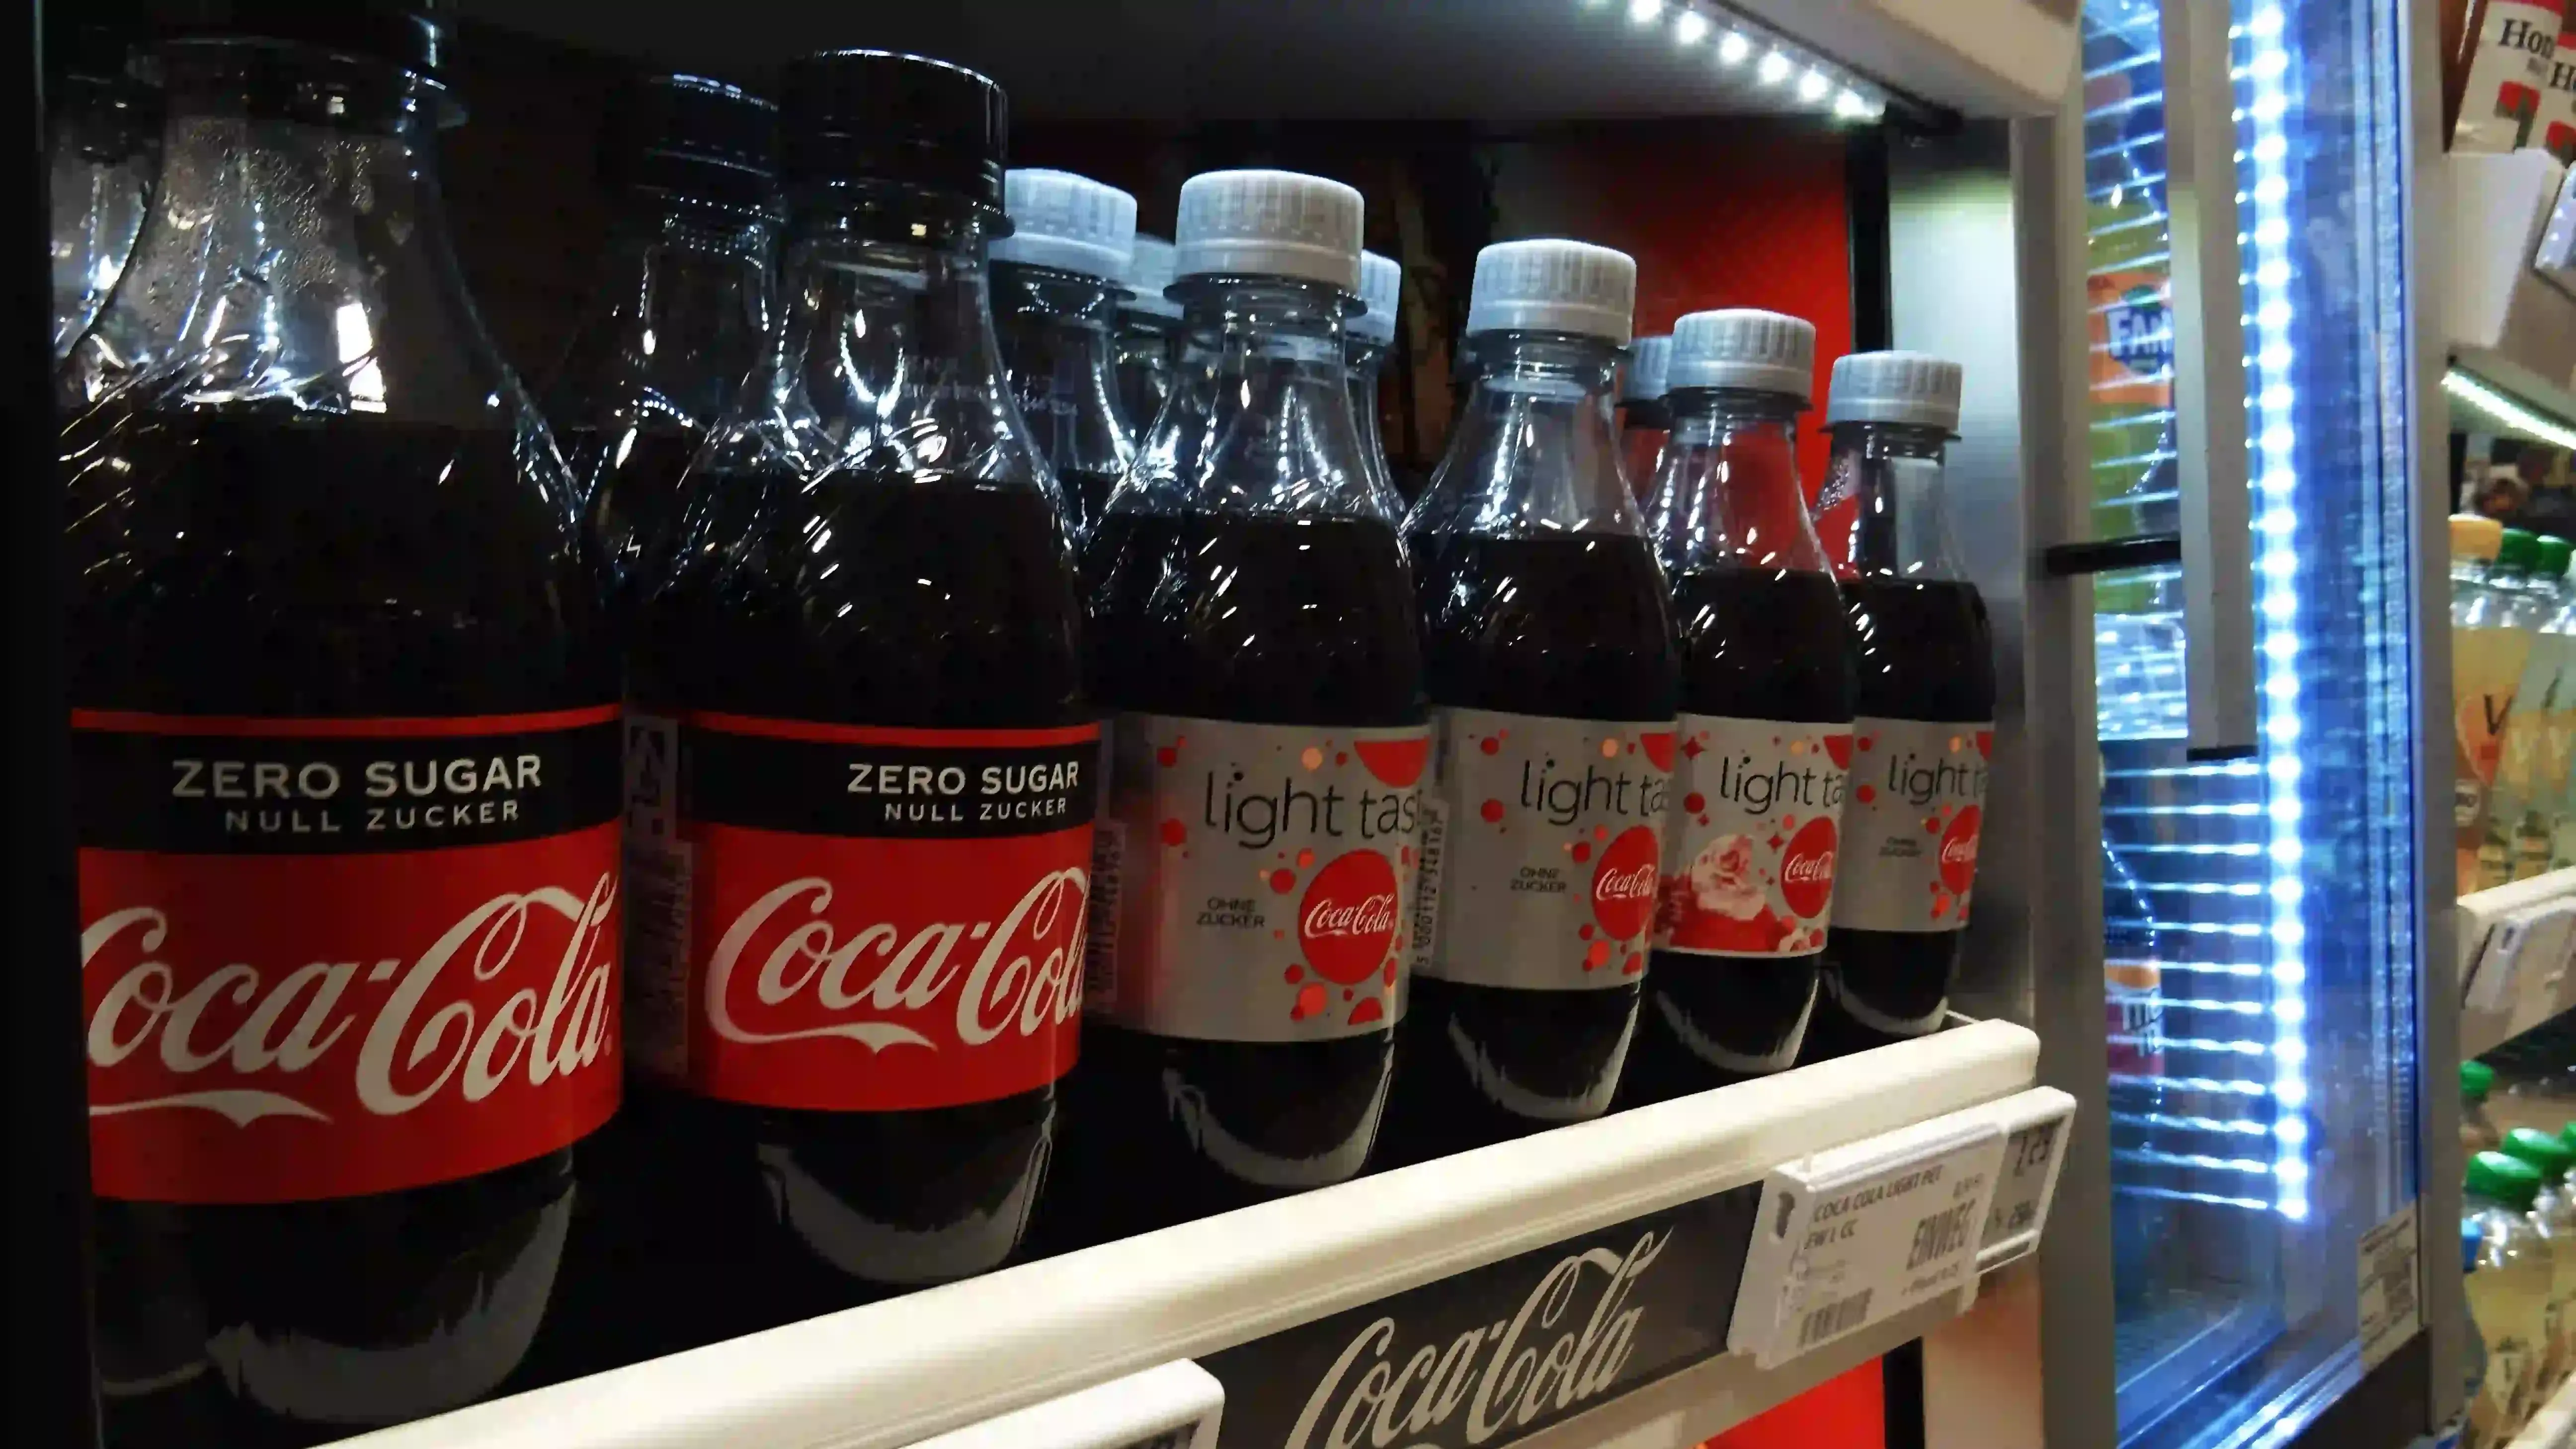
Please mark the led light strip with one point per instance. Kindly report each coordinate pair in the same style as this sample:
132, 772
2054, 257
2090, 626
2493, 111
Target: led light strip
1775, 61
2507, 410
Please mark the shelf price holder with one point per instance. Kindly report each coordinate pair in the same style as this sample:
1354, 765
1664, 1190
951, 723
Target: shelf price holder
1177, 1405
1856, 1235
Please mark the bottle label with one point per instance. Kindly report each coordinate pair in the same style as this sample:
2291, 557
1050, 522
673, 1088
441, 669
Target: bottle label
1542, 867
329, 957
2509, 72
1918, 800
848, 918
1265, 878
2132, 337
2133, 993
1756, 833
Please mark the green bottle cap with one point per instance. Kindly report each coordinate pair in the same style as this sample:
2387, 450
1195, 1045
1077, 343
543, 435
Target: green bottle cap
2519, 550
2477, 1079
2508, 1180
2567, 1134
2544, 1150
2554, 553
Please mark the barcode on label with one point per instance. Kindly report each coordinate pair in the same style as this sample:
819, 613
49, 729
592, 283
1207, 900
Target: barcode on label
1834, 1319
657, 956
1426, 891
1939, 1235
1100, 951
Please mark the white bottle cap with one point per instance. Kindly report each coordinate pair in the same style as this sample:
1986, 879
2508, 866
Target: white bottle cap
1268, 224
1738, 347
1068, 222
1382, 288
1553, 286
1649, 359
1896, 387
1149, 271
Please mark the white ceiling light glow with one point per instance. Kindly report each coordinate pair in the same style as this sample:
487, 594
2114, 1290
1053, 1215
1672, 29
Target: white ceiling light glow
1734, 48
1643, 12
1691, 28
1773, 69
1788, 70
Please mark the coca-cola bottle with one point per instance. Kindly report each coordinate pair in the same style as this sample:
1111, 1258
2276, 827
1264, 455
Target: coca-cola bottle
102, 133
1368, 334
1056, 284
1149, 334
1252, 631
1644, 420
682, 301
1549, 659
860, 782
1926, 705
1766, 709
344, 718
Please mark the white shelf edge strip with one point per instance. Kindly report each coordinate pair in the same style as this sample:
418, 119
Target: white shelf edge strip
895, 1372
2553, 1424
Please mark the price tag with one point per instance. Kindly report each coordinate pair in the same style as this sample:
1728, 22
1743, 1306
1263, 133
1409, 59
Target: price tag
1175, 1406
1855, 1236
2034, 1148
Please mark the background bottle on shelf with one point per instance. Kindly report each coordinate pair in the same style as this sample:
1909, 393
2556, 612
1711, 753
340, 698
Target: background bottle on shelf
2555, 1216
860, 775
1925, 722
1149, 334
1056, 284
2508, 1294
319, 765
2530, 773
1644, 420
1549, 658
1368, 335
1253, 639
2488, 650
683, 297
103, 143
2133, 994
2477, 1129
1766, 706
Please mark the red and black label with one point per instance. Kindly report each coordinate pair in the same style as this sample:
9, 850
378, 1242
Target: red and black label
852, 918
329, 957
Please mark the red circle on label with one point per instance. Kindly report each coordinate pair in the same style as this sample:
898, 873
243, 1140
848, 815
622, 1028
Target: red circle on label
1623, 884
1346, 921
1807, 869
1959, 850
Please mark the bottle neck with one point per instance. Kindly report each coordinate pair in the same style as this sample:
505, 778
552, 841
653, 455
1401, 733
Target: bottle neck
675, 323
296, 252
1727, 490
1535, 451
1882, 509
1058, 334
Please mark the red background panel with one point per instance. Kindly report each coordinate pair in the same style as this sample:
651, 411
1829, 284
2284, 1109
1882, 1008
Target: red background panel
1849, 1412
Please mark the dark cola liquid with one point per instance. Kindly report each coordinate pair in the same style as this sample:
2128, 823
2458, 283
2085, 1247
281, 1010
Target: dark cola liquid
1565, 626
630, 485
1315, 627
1756, 643
299, 565
876, 599
1086, 497
1925, 652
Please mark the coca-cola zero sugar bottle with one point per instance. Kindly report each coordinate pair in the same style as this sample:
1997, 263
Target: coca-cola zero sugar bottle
1926, 705
1766, 700
1549, 658
1252, 629
1055, 308
860, 782
344, 716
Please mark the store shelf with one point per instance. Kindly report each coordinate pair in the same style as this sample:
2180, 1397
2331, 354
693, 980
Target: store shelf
1983, 57
1614, 1247
2553, 1426
2516, 942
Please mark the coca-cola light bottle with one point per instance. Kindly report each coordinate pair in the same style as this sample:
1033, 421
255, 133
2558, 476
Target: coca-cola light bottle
1368, 336
1766, 710
1055, 307
1252, 633
1644, 420
1549, 658
860, 780
344, 718
677, 316
1926, 724
1149, 334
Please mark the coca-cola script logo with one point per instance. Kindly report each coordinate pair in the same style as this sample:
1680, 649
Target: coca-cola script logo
1959, 851
1807, 868
1624, 883
356, 1022
1548, 1358
1346, 921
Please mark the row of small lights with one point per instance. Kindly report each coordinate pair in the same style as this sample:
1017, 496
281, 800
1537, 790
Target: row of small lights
1737, 44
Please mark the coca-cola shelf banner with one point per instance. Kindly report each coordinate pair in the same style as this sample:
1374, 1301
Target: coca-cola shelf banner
1485, 1357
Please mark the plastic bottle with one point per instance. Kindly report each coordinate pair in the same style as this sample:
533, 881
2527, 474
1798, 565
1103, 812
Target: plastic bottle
2477, 1130
1149, 335
2508, 1293
2531, 766
1645, 419
2487, 655
103, 149
1055, 305
2555, 1215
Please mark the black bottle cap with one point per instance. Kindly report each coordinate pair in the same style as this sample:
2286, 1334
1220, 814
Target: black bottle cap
411, 34
874, 115
692, 137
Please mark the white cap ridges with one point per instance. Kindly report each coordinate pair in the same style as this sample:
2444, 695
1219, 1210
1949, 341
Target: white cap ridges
1738, 347
1382, 288
1649, 359
1909, 388
1268, 224
1068, 222
1149, 271
1553, 286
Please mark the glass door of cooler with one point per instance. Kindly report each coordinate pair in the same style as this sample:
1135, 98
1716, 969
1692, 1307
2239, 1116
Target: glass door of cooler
2259, 904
